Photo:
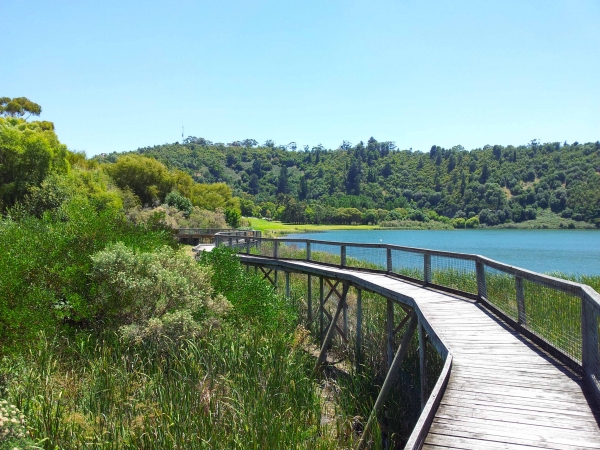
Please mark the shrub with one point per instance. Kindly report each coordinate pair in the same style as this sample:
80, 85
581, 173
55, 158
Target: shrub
156, 294
233, 217
177, 200
13, 429
473, 222
459, 222
251, 296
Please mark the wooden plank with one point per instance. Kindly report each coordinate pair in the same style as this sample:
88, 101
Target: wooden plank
513, 417
548, 433
513, 436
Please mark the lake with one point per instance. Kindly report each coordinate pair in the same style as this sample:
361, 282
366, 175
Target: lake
567, 251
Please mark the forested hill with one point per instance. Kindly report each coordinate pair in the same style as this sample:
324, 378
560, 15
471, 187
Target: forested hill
494, 183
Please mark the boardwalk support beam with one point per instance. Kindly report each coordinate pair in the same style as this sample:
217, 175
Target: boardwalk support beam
332, 327
390, 378
309, 302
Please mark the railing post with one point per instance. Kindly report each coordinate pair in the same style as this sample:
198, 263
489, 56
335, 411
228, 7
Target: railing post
390, 332
343, 255
287, 284
321, 308
388, 258
275, 249
590, 351
426, 269
423, 363
520, 300
247, 246
481, 286
359, 319
309, 305
308, 251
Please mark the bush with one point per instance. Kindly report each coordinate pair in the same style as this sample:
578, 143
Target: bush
45, 265
155, 295
473, 222
233, 217
177, 200
459, 223
251, 296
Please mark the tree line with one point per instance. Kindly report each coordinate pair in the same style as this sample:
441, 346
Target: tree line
365, 182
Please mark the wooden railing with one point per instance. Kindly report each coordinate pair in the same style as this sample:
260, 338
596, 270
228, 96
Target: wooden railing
560, 316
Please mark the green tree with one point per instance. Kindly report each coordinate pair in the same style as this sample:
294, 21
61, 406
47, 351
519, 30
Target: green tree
148, 178
29, 152
18, 107
233, 217
177, 200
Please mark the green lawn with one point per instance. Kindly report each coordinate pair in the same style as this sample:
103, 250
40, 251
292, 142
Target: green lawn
266, 225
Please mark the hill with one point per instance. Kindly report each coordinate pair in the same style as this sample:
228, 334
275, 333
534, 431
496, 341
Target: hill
379, 183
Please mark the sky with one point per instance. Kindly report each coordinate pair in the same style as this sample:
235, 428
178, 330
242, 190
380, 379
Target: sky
116, 76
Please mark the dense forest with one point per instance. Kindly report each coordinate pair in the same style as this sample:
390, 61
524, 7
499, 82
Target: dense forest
378, 183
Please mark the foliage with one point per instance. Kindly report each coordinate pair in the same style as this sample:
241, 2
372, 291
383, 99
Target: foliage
45, 264
177, 200
149, 293
511, 183
18, 107
149, 179
243, 385
29, 152
233, 217
251, 297
170, 217
13, 429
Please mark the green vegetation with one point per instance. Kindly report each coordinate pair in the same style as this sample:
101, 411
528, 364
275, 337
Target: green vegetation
111, 336
377, 183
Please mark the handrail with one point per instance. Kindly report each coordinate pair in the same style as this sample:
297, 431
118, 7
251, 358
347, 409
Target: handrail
419, 433
581, 352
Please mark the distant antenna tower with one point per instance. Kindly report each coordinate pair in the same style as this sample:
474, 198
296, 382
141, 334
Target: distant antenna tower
182, 134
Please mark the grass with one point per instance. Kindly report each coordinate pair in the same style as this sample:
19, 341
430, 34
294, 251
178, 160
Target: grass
244, 383
547, 220
266, 225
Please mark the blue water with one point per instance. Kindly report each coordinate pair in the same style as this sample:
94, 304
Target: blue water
569, 251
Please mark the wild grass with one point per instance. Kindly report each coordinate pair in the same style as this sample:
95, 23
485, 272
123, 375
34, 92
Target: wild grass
243, 383
238, 389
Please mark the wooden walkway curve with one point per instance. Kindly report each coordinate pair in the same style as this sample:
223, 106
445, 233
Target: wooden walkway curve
502, 391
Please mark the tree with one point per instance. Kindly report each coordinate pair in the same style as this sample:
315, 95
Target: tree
177, 200
387, 170
233, 217
29, 152
148, 178
303, 188
282, 182
18, 107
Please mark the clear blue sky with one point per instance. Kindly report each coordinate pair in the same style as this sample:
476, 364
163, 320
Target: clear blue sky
118, 75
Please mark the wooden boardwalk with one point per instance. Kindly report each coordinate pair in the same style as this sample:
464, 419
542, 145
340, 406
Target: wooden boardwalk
503, 392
